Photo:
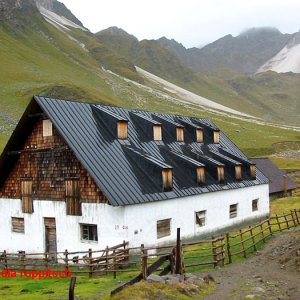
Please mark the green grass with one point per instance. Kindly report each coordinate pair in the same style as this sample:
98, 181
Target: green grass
286, 163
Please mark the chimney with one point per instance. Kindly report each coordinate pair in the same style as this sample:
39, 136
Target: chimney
285, 184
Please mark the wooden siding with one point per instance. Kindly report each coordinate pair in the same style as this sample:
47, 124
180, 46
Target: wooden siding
180, 134
157, 133
73, 197
122, 128
26, 196
163, 228
49, 161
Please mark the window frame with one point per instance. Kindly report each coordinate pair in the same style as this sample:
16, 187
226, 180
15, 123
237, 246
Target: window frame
255, 204
233, 210
159, 235
13, 228
92, 232
200, 218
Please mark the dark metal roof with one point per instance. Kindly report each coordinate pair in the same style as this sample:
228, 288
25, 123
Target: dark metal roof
115, 165
275, 175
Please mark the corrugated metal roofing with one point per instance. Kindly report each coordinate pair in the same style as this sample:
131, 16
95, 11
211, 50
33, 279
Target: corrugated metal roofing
123, 179
274, 175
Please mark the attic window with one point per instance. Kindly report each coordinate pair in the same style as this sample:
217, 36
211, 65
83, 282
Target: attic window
216, 136
200, 175
17, 225
167, 178
253, 171
180, 134
157, 133
238, 172
122, 130
26, 196
47, 128
199, 135
220, 171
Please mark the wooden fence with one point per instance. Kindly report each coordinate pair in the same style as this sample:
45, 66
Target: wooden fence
174, 258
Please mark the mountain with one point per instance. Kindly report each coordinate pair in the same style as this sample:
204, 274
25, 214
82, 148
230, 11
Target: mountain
287, 59
59, 9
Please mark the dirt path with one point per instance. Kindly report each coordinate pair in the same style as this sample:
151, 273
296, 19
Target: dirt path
271, 273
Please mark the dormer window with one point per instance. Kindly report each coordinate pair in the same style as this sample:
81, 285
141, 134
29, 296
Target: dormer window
238, 172
201, 175
199, 135
122, 130
47, 128
157, 133
216, 136
221, 177
253, 171
180, 134
167, 178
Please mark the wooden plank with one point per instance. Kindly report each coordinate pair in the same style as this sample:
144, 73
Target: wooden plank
238, 172
200, 175
180, 134
216, 136
220, 171
17, 225
157, 132
26, 196
167, 178
199, 135
122, 130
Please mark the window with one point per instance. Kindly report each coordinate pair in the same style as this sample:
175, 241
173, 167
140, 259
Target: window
167, 178
200, 218
89, 232
163, 228
17, 225
47, 128
255, 205
73, 197
26, 196
233, 211
157, 133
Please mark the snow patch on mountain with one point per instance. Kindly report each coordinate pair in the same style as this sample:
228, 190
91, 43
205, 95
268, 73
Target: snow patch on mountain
60, 21
286, 60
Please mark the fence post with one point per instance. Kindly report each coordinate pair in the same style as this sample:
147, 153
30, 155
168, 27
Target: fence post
252, 238
71, 288
178, 264
296, 216
90, 264
23, 259
279, 225
144, 262
269, 225
262, 233
243, 244
66, 260
114, 264
46, 260
173, 260
214, 251
106, 259
5, 259
294, 221
223, 251
228, 248
286, 221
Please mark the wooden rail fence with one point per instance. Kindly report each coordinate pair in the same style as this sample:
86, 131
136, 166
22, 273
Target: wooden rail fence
142, 261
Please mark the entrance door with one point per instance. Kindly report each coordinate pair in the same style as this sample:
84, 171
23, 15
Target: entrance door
50, 237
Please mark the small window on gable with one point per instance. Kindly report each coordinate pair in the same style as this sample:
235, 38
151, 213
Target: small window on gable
89, 232
200, 218
73, 202
163, 228
233, 211
26, 196
17, 225
255, 205
47, 128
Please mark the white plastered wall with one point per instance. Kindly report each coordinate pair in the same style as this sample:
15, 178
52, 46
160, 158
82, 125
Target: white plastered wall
133, 223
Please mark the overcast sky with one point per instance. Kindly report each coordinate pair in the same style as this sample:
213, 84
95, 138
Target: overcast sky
190, 22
